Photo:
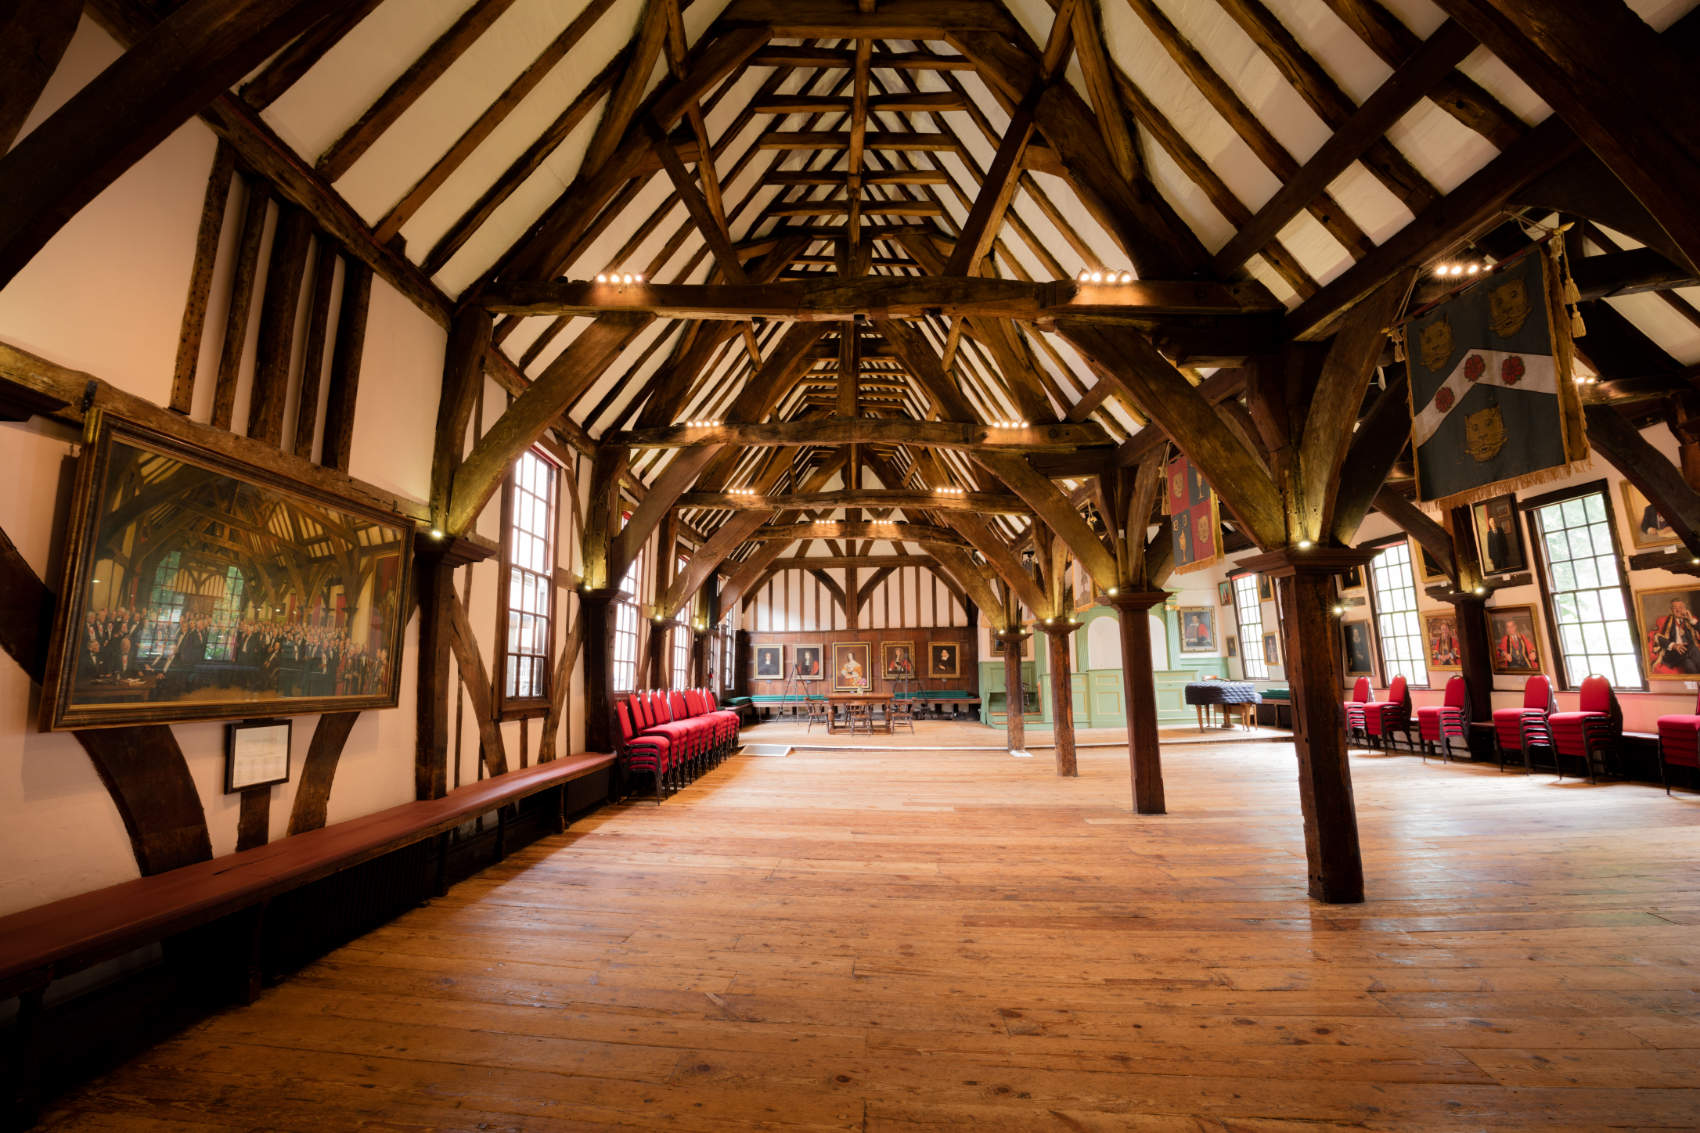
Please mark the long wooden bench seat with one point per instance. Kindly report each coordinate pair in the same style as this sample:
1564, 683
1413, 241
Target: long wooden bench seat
41, 944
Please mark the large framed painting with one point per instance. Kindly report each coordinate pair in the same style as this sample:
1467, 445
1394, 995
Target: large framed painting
1198, 629
1515, 652
1647, 528
770, 662
944, 659
1360, 657
1440, 631
806, 659
1498, 539
1431, 570
197, 587
897, 661
1271, 649
1670, 631
851, 666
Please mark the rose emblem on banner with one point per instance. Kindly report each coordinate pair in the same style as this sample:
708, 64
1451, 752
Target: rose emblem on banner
1444, 399
1511, 370
1474, 367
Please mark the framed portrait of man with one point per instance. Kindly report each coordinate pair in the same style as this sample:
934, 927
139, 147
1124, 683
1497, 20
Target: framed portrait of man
770, 662
1498, 539
1515, 650
944, 659
897, 661
1670, 631
1198, 629
1440, 632
1359, 654
1272, 649
1647, 528
1265, 588
807, 659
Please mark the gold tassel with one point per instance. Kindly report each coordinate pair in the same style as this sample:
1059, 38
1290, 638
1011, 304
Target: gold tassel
1397, 334
1578, 328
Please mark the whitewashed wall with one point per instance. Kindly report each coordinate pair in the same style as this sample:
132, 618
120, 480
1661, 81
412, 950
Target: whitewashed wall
909, 596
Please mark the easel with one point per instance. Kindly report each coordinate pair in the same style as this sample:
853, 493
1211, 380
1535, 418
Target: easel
793, 680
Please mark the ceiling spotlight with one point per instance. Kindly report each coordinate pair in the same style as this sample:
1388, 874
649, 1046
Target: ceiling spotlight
1472, 269
1338, 610
1084, 276
1127, 277
602, 277
637, 279
1479, 591
1097, 277
1304, 544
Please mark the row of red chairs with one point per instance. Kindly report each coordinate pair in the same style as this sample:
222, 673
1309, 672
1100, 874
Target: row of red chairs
1590, 734
671, 737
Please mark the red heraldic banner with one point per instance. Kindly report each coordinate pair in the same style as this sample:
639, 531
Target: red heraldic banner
1493, 406
1197, 523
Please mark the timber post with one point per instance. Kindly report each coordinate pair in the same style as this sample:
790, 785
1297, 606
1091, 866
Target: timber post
1306, 580
594, 610
1061, 634
435, 559
1139, 689
1010, 644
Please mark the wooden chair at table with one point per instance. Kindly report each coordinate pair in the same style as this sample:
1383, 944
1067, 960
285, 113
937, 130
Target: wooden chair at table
901, 712
818, 713
860, 717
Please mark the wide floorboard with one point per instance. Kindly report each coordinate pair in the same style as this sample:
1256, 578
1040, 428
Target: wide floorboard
896, 939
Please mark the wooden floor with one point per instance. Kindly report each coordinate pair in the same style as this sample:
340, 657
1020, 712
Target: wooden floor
960, 940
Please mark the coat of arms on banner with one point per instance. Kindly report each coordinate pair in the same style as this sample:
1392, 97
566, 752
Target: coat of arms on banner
1196, 522
1493, 405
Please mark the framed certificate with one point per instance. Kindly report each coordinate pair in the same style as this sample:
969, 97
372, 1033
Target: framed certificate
256, 754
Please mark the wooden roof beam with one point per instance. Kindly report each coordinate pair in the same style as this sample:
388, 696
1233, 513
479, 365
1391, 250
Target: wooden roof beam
998, 503
1061, 437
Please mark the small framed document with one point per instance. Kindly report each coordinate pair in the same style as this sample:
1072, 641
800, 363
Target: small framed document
256, 754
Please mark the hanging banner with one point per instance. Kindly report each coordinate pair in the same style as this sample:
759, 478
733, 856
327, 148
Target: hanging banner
1493, 405
1197, 523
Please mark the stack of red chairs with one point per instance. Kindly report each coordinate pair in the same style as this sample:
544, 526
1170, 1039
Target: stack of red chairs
1355, 708
673, 737
1441, 723
1594, 729
1384, 717
1679, 742
1522, 728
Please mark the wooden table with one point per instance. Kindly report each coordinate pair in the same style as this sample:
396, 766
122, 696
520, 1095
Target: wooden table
848, 698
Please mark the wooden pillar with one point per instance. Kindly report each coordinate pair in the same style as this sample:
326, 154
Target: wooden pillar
701, 642
1475, 652
433, 578
595, 610
740, 682
1139, 689
1062, 696
658, 660
1015, 715
1306, 580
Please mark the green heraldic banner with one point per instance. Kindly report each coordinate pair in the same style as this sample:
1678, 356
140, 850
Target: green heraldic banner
1493, 406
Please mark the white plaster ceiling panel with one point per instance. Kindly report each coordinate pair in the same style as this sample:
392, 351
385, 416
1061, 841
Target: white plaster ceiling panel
414, 141
1661, 14
1369, 202
1443, 149
575, 326
1499, 80
1336, 48
627, 367
1653, 317
516, 133
1185, 196
1246, 70
1175, 97
1421, 16
1313, 246
328, 99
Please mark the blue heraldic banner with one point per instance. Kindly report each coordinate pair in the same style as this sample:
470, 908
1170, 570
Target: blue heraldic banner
1493, 406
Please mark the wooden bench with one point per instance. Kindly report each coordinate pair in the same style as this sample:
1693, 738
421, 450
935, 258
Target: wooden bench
54, 940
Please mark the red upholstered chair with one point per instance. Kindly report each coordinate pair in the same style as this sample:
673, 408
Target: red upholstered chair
639, 754
1595, 728
1519, 729
728, 719
1355, 708
1679, 743
682, 737
1439, 723
1384, 717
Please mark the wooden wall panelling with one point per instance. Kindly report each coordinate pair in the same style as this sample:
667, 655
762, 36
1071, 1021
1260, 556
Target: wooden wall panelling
241, 299
917, 637
344, 388
200, 276
313, 350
